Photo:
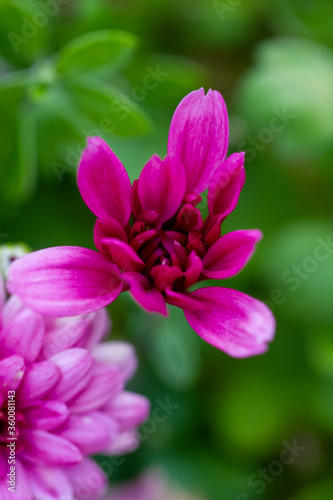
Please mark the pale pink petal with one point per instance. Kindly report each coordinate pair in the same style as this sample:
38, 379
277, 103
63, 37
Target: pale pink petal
105, 383
120, 354
43, 448
64, 281
123, 255
87, 479
230, 254
11, 374
38, 380
100, 327
148, 297
47, 415
199, 135
232, 321
161, 186
22, 485
23, 335
226, 185
129, 409
69, 333
92, 433
76, 367
50, 484
103, 182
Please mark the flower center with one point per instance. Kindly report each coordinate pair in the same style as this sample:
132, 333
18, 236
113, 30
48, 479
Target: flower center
165, 248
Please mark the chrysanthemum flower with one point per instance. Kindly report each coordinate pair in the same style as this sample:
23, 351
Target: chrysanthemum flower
66, 391
152, 239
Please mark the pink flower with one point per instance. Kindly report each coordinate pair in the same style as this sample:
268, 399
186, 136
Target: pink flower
152, 240
66, 391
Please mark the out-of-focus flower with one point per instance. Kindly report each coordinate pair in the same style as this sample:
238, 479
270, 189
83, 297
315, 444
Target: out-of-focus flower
152, 239
152, 485
62, 399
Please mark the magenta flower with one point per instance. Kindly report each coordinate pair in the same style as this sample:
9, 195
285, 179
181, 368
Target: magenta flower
152, 240
66, 391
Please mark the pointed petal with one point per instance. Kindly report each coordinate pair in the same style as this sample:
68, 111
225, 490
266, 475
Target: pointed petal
199, 135
107, 228
120, 354
75, 366
103, 182
23, 335
181, 300
50, 483
87, 479
148, 297
39, 379
129, 409
105, 383
161, 186
48, 415
193, 270
230, 254
232, 321
123, 255
44, 448
226, 185
64, 281
11, 374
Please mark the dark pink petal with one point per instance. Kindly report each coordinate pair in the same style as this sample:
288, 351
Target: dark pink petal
105, 383
123, 255
199, 135
193, 270
76, 367
189, 218
47, 415
181, 300
161, 187
230, 254
11, 374
232, 321
50, 484
39, 380
129, 409
226, 185
213, 230
23, 335
135, 200
164, 276
148, 297
42, 447
87, 479
92, 433
119, 354
107, 228
64, 281
103, 182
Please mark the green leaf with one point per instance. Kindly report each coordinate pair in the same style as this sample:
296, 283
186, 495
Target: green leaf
12, 87
110, 110
94, 50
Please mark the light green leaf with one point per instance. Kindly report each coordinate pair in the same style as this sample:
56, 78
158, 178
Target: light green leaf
110, 110
94, 50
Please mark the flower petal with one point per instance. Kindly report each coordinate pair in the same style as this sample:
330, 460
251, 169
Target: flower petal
232, 321
103, 182
193, 270
50, 483
129, 409
123, 255
23, 335
226, 185
120, 354
11, 374
161, 186
230, 254
42, 448
48, 415
199, 135
148, 297
87, 479
38, 380
107, 228
64, 281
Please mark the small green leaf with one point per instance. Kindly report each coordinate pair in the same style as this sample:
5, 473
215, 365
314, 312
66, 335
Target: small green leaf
110, 110
94, 50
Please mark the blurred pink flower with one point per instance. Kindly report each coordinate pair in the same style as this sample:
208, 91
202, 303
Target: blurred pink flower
67, 390
152, 485
152, 239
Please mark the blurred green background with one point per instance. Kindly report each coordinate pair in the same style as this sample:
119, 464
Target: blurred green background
69, 69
